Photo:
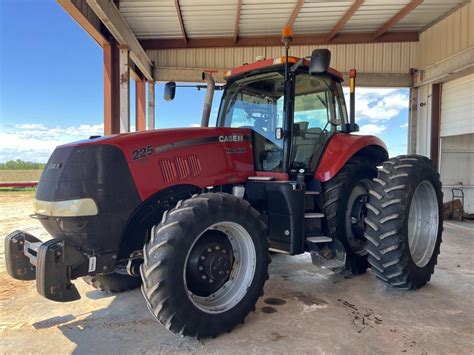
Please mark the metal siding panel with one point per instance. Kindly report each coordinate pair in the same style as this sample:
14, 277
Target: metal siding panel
366, 58
457, 106
449, 36
470, 24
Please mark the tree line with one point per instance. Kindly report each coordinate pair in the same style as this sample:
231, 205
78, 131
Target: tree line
21, 165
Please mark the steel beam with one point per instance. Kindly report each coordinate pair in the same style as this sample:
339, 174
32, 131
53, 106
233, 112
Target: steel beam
304, 39
140, 105
80, 16
111, 88
435, 124
412, 121
116, 24
124, 90
151, 105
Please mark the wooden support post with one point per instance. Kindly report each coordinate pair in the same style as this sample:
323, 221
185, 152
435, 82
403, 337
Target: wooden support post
111, 89
435, 124
151, 105
124, 90
140, 105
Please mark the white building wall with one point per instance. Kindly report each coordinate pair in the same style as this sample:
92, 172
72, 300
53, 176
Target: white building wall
457, 167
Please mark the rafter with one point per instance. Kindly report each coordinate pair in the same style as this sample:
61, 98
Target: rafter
237, 20
295, 13
346, 17
180, 19
395, 19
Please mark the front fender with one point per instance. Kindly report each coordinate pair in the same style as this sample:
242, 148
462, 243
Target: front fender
342, 147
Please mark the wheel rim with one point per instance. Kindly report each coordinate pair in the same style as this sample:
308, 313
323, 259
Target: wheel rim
219, 267
423, 222
355, 215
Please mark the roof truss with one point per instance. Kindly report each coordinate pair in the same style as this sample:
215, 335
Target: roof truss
295, 13
346, 17
395, 19
237, 20
180, 19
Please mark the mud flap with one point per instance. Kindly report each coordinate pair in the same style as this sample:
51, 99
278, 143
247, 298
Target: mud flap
54, 265
18, 264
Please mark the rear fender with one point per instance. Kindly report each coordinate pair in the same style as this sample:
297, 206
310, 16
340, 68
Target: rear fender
342, 147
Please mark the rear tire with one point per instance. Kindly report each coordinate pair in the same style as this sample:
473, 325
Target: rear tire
186, 252
355, 177
404, 222
113, 282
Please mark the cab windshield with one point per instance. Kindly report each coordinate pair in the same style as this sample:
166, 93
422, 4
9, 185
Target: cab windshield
257, 102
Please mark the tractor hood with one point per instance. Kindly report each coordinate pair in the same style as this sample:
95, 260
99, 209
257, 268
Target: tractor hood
162, 158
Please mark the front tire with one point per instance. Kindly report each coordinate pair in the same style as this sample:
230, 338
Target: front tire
404, 221
114, 282
205, 265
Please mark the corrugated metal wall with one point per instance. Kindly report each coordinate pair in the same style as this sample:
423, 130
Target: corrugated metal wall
367, 58
452, 35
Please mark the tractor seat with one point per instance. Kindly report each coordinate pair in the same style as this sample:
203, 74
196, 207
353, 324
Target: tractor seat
305, 142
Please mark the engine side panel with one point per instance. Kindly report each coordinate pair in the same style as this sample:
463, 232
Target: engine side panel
342, 147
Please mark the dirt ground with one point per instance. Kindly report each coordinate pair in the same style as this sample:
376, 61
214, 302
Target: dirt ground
304, 309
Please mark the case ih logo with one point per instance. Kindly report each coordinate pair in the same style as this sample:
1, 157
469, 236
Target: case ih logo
232, 138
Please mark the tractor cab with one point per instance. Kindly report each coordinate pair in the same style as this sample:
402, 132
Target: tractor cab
292, 110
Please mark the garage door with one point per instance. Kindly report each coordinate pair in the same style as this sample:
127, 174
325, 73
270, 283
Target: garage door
457, 107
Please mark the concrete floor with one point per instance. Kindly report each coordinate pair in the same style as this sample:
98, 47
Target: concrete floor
304, 310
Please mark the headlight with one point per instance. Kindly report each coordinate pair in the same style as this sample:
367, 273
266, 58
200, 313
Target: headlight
71, 208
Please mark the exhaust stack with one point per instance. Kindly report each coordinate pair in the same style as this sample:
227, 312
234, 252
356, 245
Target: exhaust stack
206, 112
352, 77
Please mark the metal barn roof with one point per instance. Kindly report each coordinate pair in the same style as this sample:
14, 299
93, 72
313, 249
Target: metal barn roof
189, 19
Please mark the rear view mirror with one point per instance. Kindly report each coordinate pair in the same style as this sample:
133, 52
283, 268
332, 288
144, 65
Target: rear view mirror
170, 91
320, 60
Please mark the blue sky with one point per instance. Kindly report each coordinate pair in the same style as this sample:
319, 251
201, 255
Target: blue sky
51, 88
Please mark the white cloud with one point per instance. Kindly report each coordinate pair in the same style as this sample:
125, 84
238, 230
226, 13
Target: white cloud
375, 105
36, 142
371, 129
194, 125
405, 125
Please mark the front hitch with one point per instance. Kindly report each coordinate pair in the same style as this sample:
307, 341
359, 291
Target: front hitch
53, 264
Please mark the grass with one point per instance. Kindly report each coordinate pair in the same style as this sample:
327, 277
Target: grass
19, 175
15, 191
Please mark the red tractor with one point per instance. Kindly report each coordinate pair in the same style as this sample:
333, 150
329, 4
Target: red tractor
191, 214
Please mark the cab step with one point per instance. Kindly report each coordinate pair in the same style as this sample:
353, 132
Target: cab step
308, 192
319, 239
313, 215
